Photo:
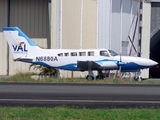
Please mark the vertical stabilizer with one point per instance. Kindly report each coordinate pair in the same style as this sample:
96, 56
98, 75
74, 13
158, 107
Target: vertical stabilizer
20, 45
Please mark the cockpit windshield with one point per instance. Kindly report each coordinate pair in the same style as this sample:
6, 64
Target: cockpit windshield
104, 53
112, 53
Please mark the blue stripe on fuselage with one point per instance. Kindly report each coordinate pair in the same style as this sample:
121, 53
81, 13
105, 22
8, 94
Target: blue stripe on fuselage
65, 67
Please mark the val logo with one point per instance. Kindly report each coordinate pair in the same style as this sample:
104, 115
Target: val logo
20, 48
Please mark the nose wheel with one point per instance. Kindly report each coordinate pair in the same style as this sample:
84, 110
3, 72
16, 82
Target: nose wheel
138, 77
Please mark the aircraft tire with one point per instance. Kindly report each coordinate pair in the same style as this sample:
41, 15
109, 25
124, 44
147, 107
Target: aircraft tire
99, 77
138, 78
89, 77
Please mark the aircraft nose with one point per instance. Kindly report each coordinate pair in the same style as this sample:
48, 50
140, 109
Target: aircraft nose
152, 63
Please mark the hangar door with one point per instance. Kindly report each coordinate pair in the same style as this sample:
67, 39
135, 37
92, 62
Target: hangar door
155, 38
115, 18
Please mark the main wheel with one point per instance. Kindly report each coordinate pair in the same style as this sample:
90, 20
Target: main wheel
99, 77
89, 77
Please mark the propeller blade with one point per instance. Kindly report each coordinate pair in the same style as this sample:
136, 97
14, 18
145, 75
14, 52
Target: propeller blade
119, 71
119, 64
120, 58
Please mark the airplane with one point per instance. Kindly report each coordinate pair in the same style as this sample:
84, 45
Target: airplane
25, 50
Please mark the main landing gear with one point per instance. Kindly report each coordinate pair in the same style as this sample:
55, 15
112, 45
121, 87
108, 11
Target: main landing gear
100, 75
90, 75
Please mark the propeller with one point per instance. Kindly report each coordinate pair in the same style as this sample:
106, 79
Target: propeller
120, 65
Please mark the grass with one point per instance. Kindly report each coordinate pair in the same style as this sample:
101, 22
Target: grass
26, 77
66, 113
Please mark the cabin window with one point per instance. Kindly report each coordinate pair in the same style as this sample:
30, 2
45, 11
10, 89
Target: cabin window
104, 53
60, 54
73, 53
66, 54
82, 53
91, 53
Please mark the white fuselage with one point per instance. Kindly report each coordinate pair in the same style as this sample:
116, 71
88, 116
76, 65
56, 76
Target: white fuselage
67, 59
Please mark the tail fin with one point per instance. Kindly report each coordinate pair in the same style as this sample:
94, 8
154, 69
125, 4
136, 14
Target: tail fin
20, 45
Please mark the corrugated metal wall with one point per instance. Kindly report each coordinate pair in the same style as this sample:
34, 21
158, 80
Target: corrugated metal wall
32, 17
3, 45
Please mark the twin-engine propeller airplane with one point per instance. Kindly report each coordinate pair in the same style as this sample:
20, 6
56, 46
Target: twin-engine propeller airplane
25, 50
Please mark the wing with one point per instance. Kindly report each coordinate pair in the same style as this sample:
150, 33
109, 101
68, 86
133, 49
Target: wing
86, 65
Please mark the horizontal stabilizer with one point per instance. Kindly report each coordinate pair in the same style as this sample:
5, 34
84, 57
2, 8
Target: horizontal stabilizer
28, 60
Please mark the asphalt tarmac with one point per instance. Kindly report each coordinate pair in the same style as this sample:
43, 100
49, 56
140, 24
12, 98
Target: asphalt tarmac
79, 95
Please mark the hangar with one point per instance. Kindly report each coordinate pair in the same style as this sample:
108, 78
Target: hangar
80, 24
